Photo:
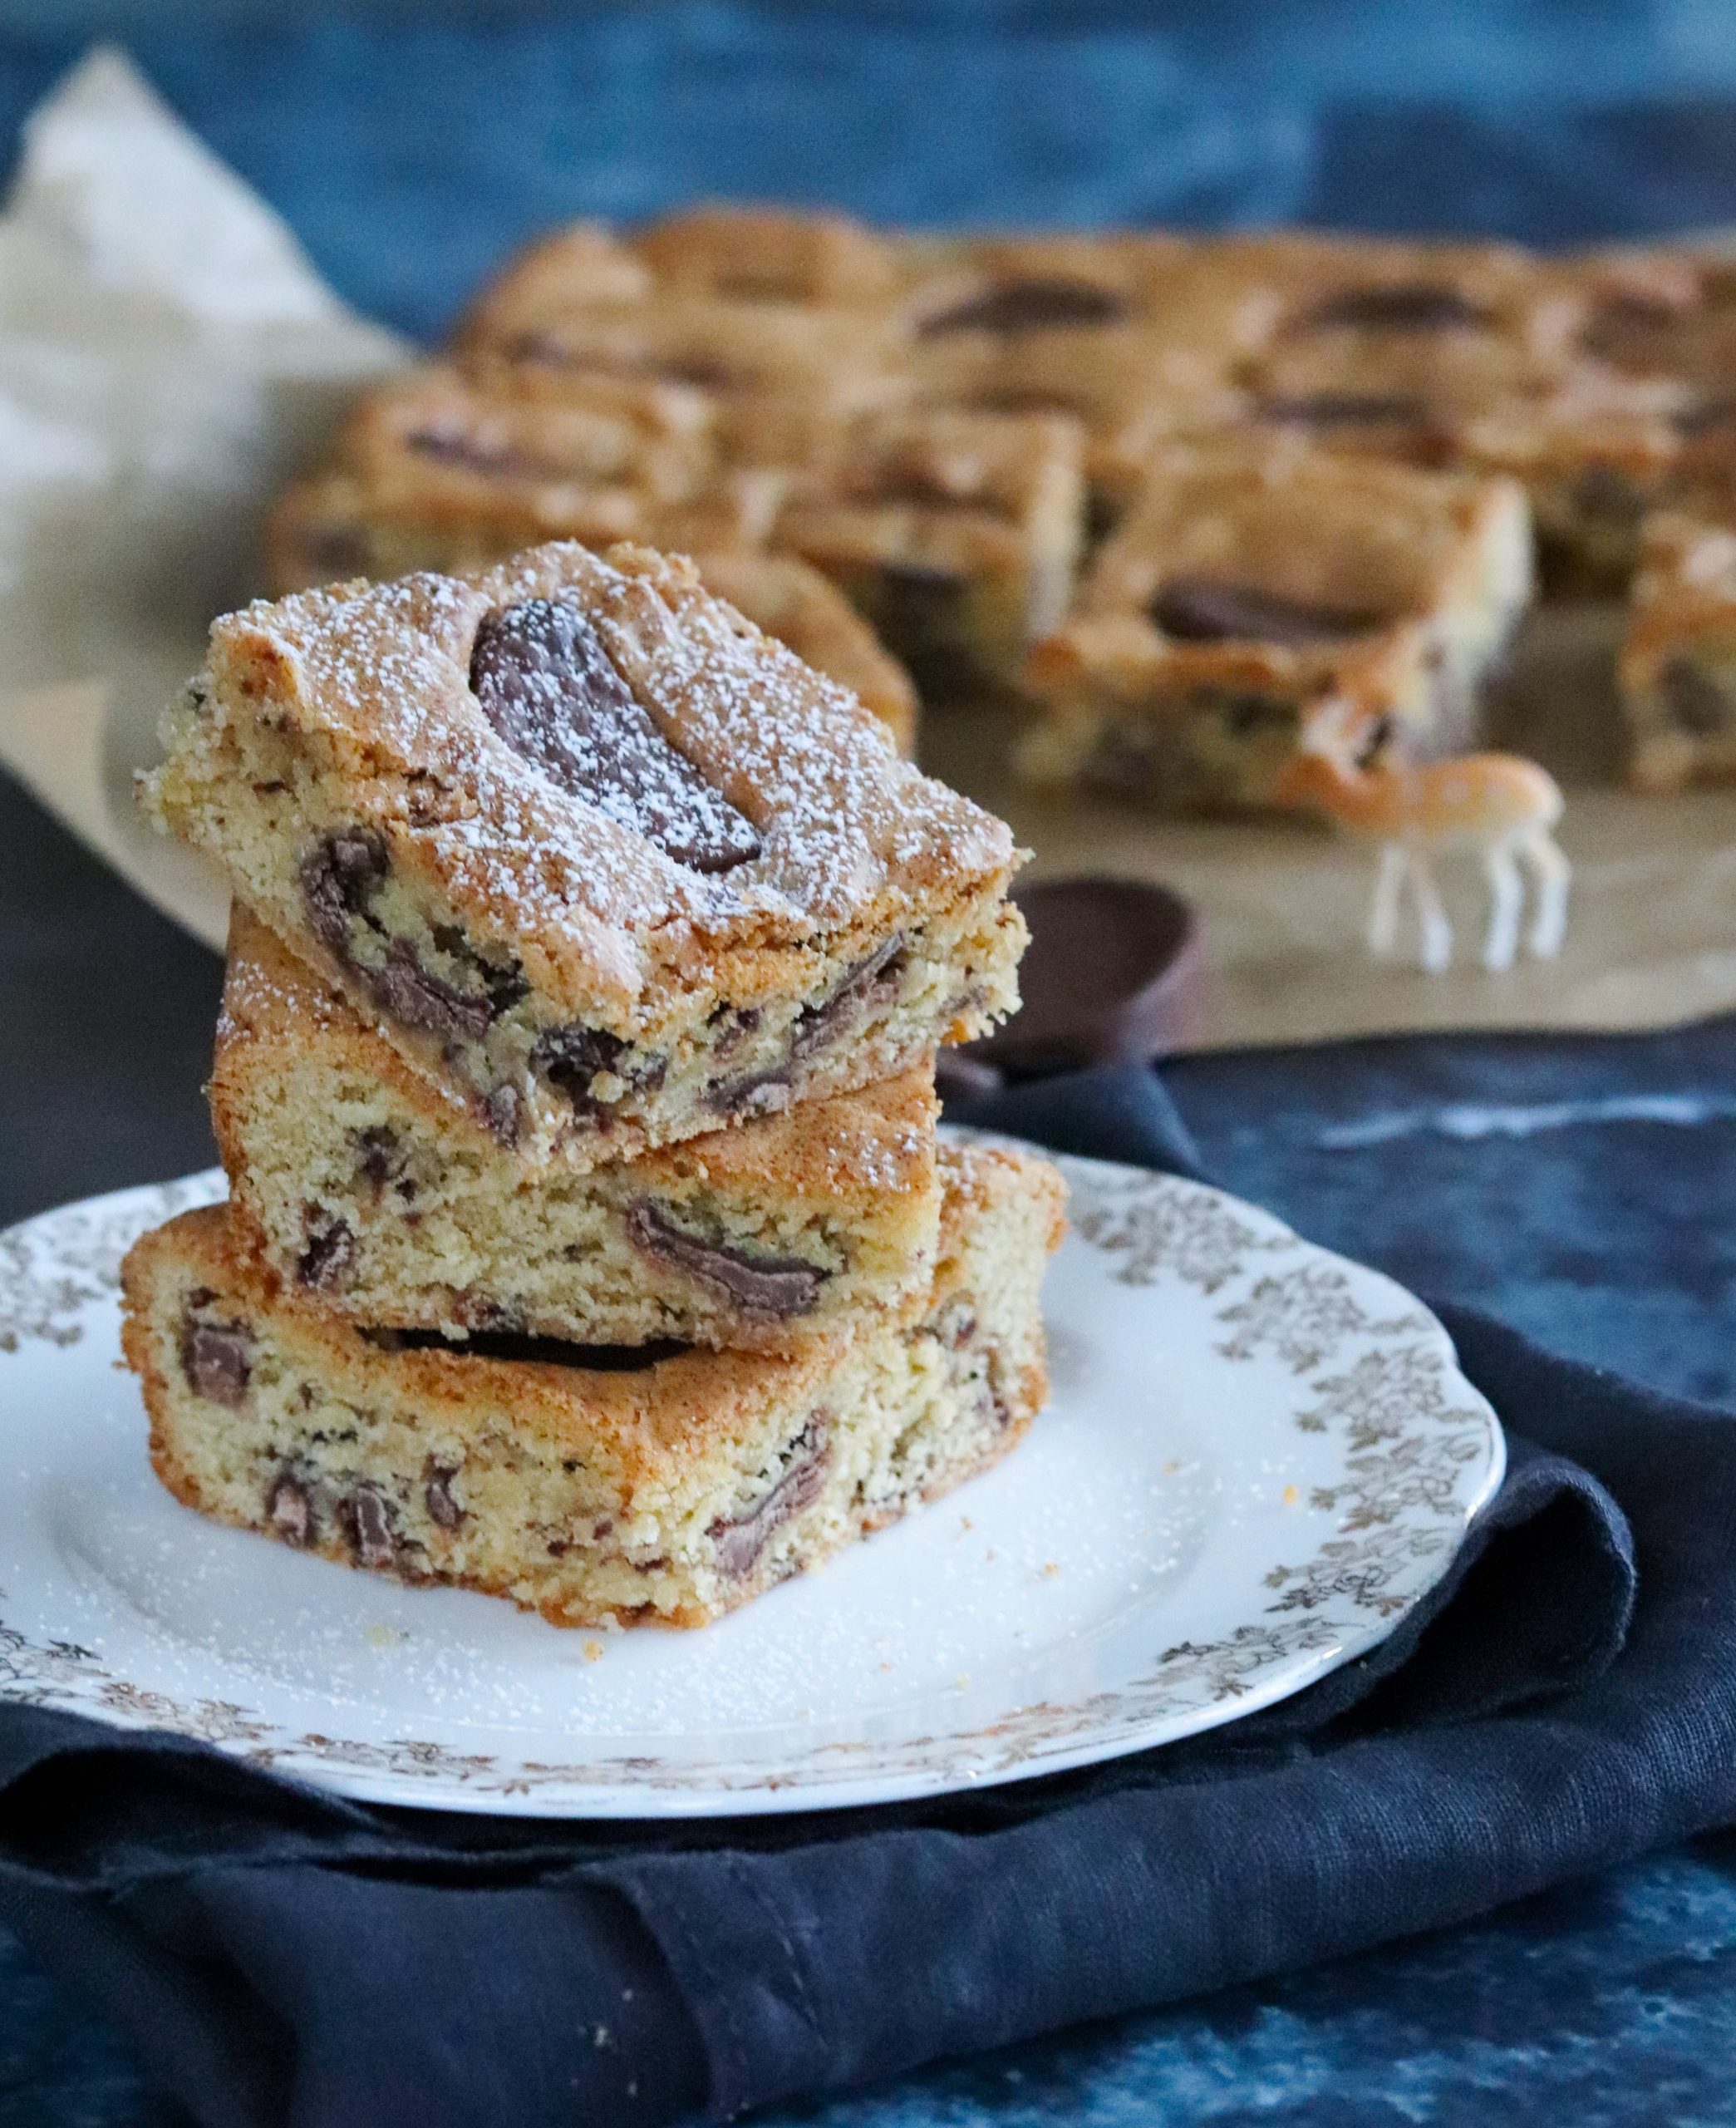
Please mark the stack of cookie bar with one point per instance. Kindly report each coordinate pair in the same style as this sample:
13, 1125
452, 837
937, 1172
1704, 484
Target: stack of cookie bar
589, 1240
939, 433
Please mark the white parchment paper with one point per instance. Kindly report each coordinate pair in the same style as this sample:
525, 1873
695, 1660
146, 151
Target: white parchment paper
167, 355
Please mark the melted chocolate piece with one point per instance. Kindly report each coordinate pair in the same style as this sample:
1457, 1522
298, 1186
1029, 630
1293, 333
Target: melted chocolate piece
1334, 409
1403, 307
570, 1057
872, 981
504, 1113
328, 1255
1706, 414
739, 1540
367, 1516
453, 447
418, 997
742, 1096
1696, 703
540, 1351
1202, 610
340, 876
379, 1157
443, 1506
778, 1286
289, 1510
546, 684
1606, 492
217, 1359
1034, 305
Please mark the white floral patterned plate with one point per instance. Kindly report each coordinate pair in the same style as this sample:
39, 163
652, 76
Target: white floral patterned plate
1257, 1458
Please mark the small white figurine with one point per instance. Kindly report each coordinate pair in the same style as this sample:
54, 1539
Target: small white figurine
1501, 806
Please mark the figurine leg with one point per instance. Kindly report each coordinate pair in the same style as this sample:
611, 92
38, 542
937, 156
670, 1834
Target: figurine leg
1382, 924
1554, 876
1431, 916
1507, 898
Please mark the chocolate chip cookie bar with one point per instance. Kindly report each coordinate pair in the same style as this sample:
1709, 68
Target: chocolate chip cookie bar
374, 1196
956, 535
1595, 456
1677, 670
1248, 586
452, 468
836, 359
612, 866
647, 1484
767, 255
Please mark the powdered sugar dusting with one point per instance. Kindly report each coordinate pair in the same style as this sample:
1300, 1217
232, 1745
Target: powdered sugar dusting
378, 678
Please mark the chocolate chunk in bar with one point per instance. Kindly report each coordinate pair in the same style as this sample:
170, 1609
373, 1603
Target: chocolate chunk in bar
217, 1359
289, 1510
872, 981
1034, 305
1202, 609
570, 1057
328, 1255
443, 1507
340, 876
368, 1517
546, 684
1696, 703
777, 1286
740, 1541
419, 999
1334, 410
1403, 307
452, 447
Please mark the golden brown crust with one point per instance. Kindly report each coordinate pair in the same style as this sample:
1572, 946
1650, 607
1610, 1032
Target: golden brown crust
765, 254
651, 1420
370, 685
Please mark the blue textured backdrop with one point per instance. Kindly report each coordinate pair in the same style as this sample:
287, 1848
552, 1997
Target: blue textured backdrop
1572, 1186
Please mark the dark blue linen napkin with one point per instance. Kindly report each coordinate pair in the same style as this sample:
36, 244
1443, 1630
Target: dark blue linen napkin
1566, 1699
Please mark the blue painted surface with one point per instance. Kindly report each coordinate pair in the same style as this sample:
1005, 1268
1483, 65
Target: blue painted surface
1572, 1186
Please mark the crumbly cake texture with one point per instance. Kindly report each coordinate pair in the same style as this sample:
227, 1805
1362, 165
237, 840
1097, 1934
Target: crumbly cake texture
1677, 669
587, 1485
956, 535
614, 866
1248, 585
375, 1196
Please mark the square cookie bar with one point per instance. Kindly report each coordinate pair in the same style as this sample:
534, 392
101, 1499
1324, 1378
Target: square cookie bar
453, 469
611, 864
379, 1199
956, 535
586, 1483
836, 359
769, 254
1595, 456
1677, 669
1245, 588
